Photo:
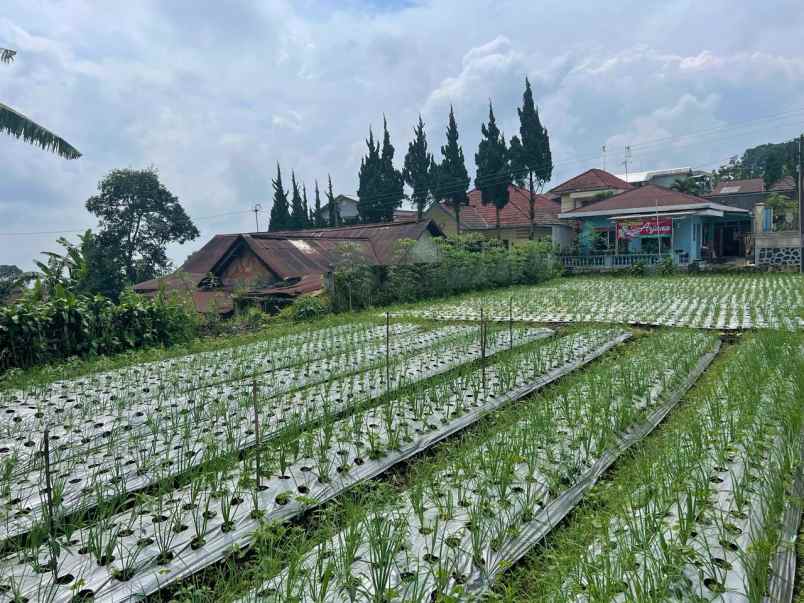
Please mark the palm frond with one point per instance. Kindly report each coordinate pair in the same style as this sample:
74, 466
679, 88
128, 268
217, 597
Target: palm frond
19, 126
7, 55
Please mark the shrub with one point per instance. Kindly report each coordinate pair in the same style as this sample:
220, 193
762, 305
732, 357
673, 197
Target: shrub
66, 325
306, 307
666, 266
637, 269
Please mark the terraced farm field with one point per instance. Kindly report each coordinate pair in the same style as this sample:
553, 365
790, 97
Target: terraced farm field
412, 459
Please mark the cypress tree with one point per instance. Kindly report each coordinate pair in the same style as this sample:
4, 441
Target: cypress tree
280, 215
418, 172
493, 176
451, 178
298, 217
530, 153
392, 185
370, 182
332, 207
318, 218
308, 222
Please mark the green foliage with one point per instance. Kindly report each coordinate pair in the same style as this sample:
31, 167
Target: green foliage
773, 170
381, 185
280, 212
765, 158
333, 215
12, 280
493, 176
467, 263
419, 169
138, 218
306, 307
637, 269
318, 218
298, 213
451, 180
688, 185
531, 159
66, 325
666, 266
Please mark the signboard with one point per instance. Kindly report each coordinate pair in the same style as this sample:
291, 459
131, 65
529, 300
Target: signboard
644, 227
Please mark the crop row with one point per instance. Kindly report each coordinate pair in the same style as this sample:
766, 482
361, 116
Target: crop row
106, 391
450, 532
166, 445
174, 533
718, 302
701, 521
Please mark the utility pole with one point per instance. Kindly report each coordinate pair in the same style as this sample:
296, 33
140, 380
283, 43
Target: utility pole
257, 209
627, 159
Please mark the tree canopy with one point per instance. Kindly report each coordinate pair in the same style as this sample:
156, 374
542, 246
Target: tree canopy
451, 180
381, 187
419, 169
138, 218
493, 176
333, 214
531, 159
280, 213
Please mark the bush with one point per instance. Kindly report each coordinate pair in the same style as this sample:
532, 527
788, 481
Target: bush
637, 269
306, 307
66, 325
666, 266
464, 264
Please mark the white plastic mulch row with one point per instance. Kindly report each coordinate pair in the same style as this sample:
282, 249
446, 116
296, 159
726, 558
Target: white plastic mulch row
94, 393
134, 460
76, 437
709, 302
695, 538
176, 535
478, 518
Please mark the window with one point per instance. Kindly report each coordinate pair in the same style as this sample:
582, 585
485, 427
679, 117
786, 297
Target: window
696, 233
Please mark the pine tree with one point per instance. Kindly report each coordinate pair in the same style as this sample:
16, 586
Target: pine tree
493, 176
392, 183
308, 222
280, 215
530, 153
332, 206
318, 218
451, 179
418, 172
370, 182
298, 217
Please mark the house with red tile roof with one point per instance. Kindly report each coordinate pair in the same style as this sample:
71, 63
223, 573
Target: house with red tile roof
477, 218
657, 220
586, 188
271, 268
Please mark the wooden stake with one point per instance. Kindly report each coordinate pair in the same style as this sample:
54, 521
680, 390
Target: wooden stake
511, 322
387, 352
483, 347
49, 497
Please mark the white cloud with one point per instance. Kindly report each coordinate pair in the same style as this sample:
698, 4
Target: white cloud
215, 95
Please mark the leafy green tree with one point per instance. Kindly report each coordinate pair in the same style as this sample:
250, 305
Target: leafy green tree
418, 171
773, 169
138, 218
333, 214
280, 212
298, 216
531, 159
493, 176
381, 186
19, 126
688, 185
12, 281
308, 217
451, 178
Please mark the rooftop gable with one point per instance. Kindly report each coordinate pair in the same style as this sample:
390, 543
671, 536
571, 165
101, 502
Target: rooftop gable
590, 180
477, 216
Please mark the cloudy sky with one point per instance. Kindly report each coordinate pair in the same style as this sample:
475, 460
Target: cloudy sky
213, 94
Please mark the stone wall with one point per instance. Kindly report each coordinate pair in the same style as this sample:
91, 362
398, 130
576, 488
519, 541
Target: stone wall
778, 256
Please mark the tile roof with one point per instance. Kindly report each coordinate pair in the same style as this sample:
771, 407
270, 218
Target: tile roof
648, 196
590, 180
751, 185
476, 216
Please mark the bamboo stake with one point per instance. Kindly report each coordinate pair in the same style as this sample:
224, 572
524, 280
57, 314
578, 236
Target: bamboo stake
256, 440
387, 352
49, 499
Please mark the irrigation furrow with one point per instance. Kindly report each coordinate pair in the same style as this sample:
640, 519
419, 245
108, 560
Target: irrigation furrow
149, 552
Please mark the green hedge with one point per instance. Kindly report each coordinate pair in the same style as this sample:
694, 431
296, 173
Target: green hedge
36, 332
464, 264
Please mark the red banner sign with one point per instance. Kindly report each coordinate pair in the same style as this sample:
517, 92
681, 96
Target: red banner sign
644, 227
